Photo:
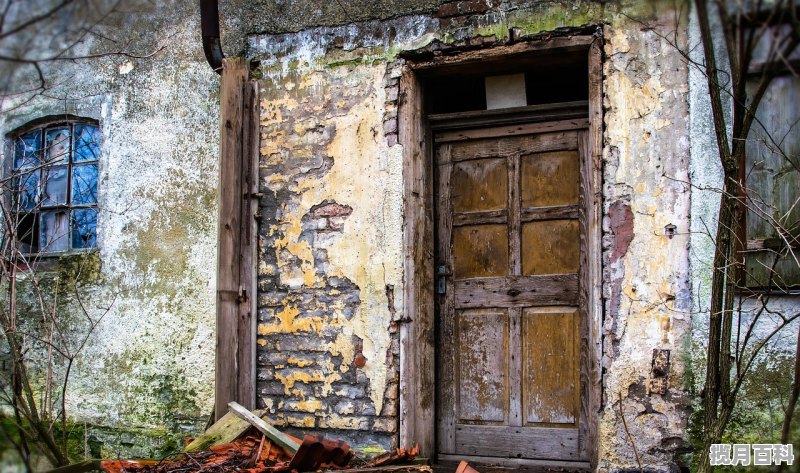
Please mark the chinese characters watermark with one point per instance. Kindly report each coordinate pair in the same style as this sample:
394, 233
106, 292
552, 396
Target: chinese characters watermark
744, 454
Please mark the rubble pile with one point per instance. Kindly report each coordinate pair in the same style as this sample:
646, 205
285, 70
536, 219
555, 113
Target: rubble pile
241, 441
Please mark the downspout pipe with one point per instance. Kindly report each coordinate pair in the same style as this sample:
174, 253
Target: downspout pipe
209, 27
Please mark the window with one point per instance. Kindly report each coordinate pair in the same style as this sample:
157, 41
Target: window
772, 169
54, 176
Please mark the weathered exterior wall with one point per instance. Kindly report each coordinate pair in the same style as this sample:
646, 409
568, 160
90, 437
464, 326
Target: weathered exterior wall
331, 223
329, 263
646, 279
761, 403
145, 378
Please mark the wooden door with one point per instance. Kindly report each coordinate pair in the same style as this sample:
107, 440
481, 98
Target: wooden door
510, 314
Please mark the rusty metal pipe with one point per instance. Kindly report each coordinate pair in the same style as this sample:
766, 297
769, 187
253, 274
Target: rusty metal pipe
209, 27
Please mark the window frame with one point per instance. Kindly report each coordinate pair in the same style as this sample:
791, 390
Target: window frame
750, 247
12, 172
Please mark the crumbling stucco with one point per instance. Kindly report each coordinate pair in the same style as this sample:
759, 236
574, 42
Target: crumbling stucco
330, 244
330, 219
645, 160
145, 378
646, 272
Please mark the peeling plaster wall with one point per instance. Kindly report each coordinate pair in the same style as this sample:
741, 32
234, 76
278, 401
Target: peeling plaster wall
330, 230
328, 261
646, 278
145, 377
329, 128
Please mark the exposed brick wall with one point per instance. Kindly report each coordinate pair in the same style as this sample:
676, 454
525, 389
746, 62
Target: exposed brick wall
313, 372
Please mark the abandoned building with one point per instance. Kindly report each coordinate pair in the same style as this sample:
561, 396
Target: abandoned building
481, 226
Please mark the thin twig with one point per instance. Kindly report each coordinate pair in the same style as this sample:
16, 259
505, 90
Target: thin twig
628, 433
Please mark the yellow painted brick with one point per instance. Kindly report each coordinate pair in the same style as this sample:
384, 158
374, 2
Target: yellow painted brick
344, 422
306, 405
300, 421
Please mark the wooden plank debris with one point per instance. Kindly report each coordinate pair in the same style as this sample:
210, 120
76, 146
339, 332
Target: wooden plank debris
271, 432
225, 430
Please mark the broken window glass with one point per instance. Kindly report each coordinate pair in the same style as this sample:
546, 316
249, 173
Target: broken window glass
84, 184
27, 191
54, 231
84, 228
27, 228
55, 170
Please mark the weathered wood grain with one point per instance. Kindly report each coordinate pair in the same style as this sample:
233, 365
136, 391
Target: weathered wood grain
532, 214
500, 441
417, 385
510, 130
271, 432
246, 325
227, 429
447, 353
481, 217
524, 116
234, 74
482, 365
591, 272
493, 148
551, 391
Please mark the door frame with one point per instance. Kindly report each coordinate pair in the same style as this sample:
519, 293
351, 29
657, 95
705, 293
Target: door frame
417, 333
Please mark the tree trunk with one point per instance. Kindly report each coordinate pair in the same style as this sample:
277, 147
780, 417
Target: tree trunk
716, 389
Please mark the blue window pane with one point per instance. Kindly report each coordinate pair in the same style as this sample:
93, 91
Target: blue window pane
54, 228
56, 145
55, 185
84, 228
27, 190
87, 143
27, 149
84, 184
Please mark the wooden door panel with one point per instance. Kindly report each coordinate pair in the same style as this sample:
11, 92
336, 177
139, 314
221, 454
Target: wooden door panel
509, 250
482, 377
516, 291
495, 441
480, 184
477, 218
550, 393
551, 247
549, 179
480, 250
505, 147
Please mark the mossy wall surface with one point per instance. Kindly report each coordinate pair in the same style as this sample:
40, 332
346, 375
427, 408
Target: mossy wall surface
331, 223
145, 379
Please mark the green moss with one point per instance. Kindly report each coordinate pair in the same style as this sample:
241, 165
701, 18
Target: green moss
256, 74
759, 412
545, 17
345, 62
81, 268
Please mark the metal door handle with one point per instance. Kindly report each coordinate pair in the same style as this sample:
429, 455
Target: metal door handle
441, 280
